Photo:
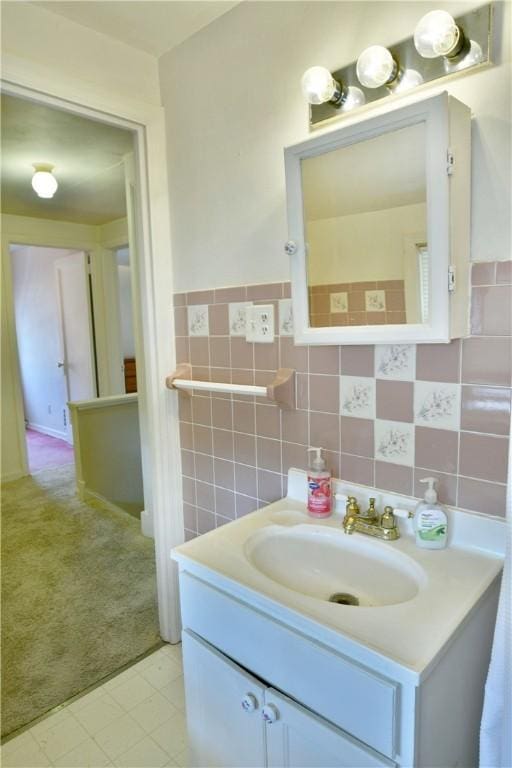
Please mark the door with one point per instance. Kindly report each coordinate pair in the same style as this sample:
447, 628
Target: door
76, 330
297, 738
224, 719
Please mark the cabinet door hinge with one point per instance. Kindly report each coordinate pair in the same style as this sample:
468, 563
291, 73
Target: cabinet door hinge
450, 162
451, 278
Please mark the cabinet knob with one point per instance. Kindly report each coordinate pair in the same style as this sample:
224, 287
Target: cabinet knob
290, 248
270, 713
249, 702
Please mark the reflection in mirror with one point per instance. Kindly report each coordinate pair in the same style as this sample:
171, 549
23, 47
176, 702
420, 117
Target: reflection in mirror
365, 218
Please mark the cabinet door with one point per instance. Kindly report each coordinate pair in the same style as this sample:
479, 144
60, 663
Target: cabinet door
297, 738
224, 720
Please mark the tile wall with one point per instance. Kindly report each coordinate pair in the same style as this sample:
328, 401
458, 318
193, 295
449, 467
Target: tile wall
369, 303
386, 415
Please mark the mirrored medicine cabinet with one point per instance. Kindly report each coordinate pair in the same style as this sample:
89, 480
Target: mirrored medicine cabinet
378, 219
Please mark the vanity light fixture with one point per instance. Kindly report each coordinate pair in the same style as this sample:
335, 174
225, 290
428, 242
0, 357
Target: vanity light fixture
44, 182
320, 87
437, 34
376, 67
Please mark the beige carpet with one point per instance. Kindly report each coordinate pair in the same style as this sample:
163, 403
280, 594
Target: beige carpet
78, 594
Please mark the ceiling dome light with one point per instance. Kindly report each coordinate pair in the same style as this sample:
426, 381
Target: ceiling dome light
319, 86
437, 34
44, 182
376, 66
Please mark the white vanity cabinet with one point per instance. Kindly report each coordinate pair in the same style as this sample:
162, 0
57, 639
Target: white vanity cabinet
235, 721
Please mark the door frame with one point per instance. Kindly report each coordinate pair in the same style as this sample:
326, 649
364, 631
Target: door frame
158, 408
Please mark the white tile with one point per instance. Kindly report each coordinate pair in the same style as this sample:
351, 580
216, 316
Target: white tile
163, 671
28, 755
175, 693
172, 735
375, 301
145, 754
119, 736
394, 442
99, 713
119, 679
285, 317
198, 323
148, 661
87, 755
338, 302
237, 318
395, 361
61, 716
181, 759
133, 691
153, 711
357, 396
86, 700
24, 741
61, 738
174, 651
437, 404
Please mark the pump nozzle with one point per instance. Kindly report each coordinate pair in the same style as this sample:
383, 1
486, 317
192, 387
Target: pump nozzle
317, 463
430, 493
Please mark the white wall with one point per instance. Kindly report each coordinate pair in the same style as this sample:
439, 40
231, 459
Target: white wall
126, 310
37, 331
233, 101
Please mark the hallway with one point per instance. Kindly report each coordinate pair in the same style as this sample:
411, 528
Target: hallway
46, 452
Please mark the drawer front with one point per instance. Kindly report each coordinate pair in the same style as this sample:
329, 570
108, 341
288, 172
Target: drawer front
360, 702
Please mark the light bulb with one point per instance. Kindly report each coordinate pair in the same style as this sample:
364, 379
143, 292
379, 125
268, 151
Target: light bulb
376, 66
409, 78
352, 98
474, 56
319, 86
437, 34
44, 182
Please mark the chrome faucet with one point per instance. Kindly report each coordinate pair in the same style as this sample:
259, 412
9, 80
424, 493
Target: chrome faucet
371, 523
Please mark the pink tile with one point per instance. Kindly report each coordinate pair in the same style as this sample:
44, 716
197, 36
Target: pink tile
201, 373
368, 285
294, 456
204, 468
392, 285
483, 457
245, 448
202, 410
356, 301
242, 353
292, 356
227, 295
376, 318
182, 349
264, 291
269, 454
202, 439
302, 385
287, 290
264, 378
270, 487
224, 472
395, 301
324, 431
180, 299
324, 360
320, 304
504, 272
220, 353
223, 444
245, 505
244, 417
324, 393
486, 409
491, 311
488, 498
186, 439
185, 406
487, 361
356, 469
189, 490
220, 520
199, 351
205, 521
245, 480
187, 463
446, 485
180, 321
200, 297
357, 318
225, 503
222, 413
357, 360
393, 477
483, 273
438, 362
218, 320
189, 535
295, 426
357, 436
268, 421
205, 497
338, 318
266, 356
189, 516
436, 449
395, 400
242, 376
332, 462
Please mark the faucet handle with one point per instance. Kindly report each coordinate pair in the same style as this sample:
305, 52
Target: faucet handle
406, 514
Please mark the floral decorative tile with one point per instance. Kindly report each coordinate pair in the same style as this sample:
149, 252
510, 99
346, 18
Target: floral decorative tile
197, 316
285, 317
357, 396
394, 442
237, 318
375, 301
395, 361
437, 404
338, 302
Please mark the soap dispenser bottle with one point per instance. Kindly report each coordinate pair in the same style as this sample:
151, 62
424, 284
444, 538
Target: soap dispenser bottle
431, 523
319, 486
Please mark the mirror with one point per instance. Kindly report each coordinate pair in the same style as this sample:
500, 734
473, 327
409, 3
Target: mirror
365, 220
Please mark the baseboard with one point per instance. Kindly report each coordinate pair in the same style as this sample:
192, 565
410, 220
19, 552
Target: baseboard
146, 524
10, 476
47, 431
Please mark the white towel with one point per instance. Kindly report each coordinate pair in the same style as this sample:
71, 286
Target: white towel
496, 727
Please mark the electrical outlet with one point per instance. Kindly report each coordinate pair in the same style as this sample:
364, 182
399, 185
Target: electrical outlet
49, 410
64, 419
260, 323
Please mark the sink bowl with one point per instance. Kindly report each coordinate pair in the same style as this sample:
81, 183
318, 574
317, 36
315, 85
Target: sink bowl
322, 563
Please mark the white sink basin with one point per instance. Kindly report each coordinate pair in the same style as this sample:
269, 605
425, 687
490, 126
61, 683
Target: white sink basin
321, 562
